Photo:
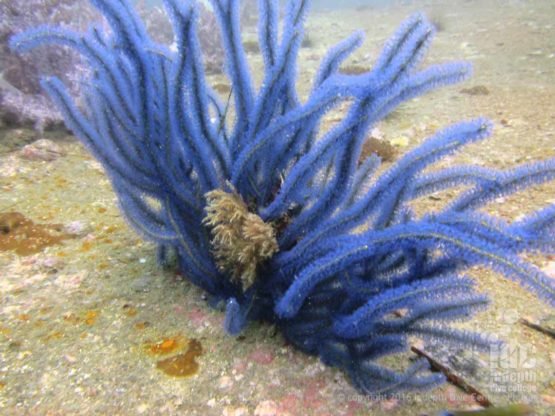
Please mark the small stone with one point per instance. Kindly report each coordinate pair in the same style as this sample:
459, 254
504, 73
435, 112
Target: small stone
77, 228
49, 263
42, 150
235, 411
225, 382
70, 358
266, 408
94, 165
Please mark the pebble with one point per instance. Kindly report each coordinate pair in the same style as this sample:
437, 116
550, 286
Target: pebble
78, 228
49, 263
235, 411
225, 382
142, 408
94, 165
266, 408
70, 358
42, 150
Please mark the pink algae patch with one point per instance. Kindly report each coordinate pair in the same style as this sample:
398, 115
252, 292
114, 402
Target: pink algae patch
312, 394
261, 356
197, 316
289, 404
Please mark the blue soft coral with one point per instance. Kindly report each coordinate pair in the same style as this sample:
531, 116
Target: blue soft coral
356, 272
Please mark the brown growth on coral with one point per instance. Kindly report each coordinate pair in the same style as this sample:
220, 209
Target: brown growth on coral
182, 365
23, 236
384, 149
240, 239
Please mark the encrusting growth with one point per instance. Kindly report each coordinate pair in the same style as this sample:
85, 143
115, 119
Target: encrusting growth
240, 239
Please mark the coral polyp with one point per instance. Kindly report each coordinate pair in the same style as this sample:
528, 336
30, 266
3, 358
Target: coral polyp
240, 239
276, 217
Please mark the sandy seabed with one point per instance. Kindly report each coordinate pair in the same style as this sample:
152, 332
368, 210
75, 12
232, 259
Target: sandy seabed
86, 323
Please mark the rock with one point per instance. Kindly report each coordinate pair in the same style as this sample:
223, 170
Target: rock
225, 382
42, 150
77, 228
49, 263
70, 358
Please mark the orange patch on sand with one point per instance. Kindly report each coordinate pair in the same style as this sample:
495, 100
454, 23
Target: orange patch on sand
18, 233
182, 365
166, 345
